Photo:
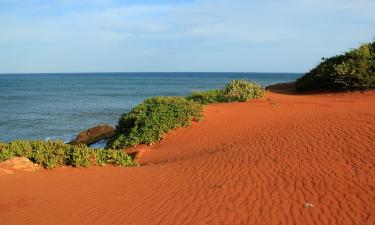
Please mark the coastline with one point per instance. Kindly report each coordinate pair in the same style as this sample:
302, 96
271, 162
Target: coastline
86, 100
187, 113
257, 162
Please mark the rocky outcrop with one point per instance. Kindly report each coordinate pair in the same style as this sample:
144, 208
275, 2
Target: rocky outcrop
18, 163
94, 135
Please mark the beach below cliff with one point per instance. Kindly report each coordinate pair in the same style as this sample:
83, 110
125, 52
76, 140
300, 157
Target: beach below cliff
283, 159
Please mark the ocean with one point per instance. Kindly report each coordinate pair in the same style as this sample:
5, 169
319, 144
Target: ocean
58, 106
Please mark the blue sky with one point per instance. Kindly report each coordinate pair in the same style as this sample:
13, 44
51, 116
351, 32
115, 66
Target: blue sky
161, 35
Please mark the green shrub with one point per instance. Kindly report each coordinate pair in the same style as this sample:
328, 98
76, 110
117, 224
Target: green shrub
106, 156
48, 154
353, 70
5, 153
242, 91
235, 91
207, 97
148, 122
79, 156
151, 120
51, 154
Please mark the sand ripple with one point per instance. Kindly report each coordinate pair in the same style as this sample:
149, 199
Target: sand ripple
247, 163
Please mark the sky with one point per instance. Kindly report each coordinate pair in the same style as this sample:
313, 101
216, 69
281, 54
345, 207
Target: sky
179, 35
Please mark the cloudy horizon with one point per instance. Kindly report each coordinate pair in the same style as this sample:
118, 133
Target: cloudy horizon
178, 36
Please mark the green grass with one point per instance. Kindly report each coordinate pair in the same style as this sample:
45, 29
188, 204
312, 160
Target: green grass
54, 154
353, 70
151, 120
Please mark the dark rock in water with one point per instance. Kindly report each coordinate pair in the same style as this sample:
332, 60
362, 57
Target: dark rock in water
94, 135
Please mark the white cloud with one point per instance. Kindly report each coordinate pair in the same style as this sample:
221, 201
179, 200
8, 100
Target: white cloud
139, 33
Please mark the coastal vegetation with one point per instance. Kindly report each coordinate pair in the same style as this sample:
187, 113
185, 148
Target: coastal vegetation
235, 91
148, 122
51, 154
353, 70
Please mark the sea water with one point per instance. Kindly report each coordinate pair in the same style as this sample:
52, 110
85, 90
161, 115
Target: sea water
58, 106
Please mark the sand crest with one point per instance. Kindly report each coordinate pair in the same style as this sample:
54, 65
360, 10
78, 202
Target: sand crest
285, 159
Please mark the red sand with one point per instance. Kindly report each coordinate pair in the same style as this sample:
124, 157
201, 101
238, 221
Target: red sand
246, 163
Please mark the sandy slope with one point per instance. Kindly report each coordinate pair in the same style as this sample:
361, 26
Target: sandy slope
247, 163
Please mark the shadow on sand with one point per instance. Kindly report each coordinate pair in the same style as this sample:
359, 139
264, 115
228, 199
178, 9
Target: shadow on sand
289, 89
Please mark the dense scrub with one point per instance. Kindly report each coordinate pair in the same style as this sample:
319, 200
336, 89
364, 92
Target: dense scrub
206, 97
53, 154
151, 120
148, 122
353, 70
235, 91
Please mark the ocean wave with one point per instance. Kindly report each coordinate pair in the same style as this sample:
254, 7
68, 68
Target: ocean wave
66, 138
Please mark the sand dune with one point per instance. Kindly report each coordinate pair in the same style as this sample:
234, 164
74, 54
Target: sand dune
247, 163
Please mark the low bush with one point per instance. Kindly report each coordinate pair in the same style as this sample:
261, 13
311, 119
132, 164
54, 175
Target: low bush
235, 91
353, 70
107, 156
242, 91
148, 122
151, 120
51, 154
207, 97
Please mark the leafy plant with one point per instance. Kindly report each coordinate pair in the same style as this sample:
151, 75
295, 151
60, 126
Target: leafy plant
353, 70
148, 122
5, 153
235, 91
242, 91
106, 156
79, 156
54, 154
207, 97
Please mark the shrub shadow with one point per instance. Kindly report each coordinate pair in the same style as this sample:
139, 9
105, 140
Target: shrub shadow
289, 89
